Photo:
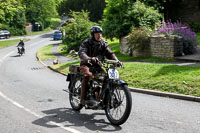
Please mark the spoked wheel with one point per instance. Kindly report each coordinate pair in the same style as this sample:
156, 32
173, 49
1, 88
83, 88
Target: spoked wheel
119, 104
74, 96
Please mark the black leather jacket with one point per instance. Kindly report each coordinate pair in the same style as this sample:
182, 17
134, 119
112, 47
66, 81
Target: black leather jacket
91, 48
21, 43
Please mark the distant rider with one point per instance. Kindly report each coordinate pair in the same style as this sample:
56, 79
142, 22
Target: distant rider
21, 44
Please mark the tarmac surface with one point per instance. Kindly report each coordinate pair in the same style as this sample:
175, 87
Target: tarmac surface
187, 60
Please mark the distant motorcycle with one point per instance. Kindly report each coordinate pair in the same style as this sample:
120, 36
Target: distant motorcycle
20, 50
105, 92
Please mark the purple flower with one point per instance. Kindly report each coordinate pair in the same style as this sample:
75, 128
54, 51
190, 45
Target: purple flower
177, 28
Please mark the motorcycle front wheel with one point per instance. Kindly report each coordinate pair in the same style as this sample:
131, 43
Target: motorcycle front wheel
119, 104
74, 95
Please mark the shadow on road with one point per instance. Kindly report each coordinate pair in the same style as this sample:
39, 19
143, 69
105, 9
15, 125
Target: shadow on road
15, 56
48, 35
71, 118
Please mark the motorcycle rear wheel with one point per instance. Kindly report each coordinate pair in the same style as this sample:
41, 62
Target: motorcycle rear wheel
118, 105
74, 96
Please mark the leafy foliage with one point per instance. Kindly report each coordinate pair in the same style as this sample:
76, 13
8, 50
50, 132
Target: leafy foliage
12, 16
120, 16
195, 26
77, 29
15, 13
95, 7
138, 37
157, 4
53, 22
39, 11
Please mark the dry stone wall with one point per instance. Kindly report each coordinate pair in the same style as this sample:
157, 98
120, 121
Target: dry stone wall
166, 47
158, 46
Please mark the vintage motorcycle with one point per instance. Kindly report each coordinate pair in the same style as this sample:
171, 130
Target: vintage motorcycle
105, 92
20, 50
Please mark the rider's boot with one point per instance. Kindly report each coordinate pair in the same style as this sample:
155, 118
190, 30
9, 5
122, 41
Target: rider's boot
83, 90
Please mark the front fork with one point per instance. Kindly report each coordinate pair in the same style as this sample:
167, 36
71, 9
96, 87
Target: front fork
112, 83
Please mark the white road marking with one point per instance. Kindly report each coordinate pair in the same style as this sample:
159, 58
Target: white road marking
28, 110
38, 116
1, 60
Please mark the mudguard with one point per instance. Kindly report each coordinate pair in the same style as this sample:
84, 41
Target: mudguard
69, 77
119, 82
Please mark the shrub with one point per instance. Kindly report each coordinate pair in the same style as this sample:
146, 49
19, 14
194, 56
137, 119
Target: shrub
53, 22
17, 31
120, 16
180, 29
4, 27
138, 40
195, 26
138, 37
77, 29
13, 31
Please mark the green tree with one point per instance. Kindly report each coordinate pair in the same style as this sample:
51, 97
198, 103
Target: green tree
40, 10
95, 7
77, 29
12, 16
8, 9
121, 15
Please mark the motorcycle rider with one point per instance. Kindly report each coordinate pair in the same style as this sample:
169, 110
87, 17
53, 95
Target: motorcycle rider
93, 49
21, 44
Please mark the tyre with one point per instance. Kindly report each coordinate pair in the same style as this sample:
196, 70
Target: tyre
20, 54
74, 95
119, 105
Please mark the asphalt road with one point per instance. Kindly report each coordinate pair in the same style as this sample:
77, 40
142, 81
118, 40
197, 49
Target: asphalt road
32, 101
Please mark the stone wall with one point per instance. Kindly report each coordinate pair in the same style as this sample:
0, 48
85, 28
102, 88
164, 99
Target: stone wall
166, 47
124, 46
157, 46
138, 50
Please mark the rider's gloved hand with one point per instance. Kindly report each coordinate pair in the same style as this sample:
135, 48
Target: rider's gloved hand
120, 64
94, 60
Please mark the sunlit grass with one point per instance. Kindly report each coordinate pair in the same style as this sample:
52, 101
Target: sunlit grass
162, 77
45, 53
8, 43
64, 67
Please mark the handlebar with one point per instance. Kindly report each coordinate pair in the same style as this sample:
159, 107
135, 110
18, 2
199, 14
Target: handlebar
115, 63
111, 61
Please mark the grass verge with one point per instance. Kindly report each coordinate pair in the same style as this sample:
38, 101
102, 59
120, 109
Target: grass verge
162, 77
45, 53
63, 52
8, 43
64, 67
